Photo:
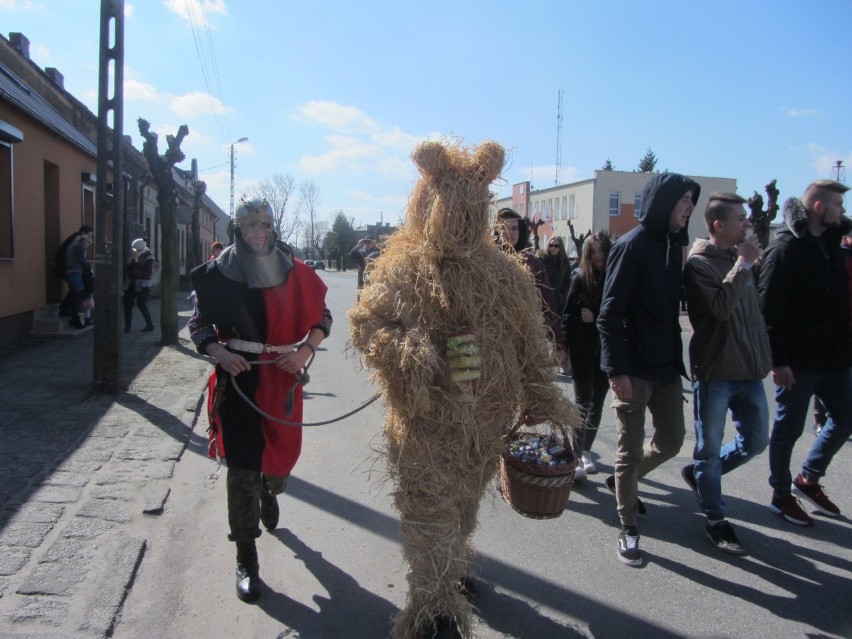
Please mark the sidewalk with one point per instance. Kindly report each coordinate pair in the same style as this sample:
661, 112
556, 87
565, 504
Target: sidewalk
80, 471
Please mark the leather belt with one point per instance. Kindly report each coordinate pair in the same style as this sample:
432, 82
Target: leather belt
257, 347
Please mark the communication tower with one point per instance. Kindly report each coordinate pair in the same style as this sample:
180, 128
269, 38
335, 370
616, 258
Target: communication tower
558, 136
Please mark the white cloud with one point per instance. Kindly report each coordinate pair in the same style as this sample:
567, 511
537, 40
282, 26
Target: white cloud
397, 139
137, 90
336, 116
794, 112
197, 103
129, 10
26, 5
195, 11
825, 163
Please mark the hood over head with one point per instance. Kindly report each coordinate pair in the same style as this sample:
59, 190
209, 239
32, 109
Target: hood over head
659, 197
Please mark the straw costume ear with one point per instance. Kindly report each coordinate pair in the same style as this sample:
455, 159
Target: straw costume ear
488, 160
432, 159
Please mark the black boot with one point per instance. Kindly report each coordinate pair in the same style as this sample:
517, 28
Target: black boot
269, 512
248, 572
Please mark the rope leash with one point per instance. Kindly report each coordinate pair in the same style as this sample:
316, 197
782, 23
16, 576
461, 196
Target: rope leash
300, 380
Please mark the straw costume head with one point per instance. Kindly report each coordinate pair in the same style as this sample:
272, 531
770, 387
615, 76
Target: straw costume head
440, 280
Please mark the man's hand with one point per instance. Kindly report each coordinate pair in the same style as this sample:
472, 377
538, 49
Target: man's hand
621, 387
783, 376
294, 361
587, 315
231, 362
750, 250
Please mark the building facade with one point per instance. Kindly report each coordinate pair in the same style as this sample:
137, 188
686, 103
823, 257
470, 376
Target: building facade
611, 200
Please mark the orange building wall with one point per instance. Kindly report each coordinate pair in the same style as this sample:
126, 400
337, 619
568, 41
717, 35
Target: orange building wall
624, 221
29, 269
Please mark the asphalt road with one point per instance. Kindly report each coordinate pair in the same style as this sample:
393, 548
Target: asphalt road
334, 569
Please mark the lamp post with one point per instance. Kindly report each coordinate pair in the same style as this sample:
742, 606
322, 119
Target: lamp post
232, 173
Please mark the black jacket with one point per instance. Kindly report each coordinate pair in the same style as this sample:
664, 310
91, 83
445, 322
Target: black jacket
804, 295
639, 319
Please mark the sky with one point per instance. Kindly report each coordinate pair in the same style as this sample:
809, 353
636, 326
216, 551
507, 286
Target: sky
341, 92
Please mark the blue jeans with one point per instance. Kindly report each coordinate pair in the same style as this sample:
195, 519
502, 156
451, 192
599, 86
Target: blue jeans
750, 414
834, 388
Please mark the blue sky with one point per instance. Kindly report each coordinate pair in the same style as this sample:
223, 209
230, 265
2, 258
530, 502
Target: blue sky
340, 93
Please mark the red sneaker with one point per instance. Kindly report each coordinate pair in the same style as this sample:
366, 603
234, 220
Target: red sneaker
814, 493
790, 509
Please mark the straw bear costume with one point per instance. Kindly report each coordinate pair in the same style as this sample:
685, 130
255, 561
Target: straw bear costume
442, 275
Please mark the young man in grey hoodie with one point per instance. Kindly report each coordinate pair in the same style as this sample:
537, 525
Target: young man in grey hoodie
729, 358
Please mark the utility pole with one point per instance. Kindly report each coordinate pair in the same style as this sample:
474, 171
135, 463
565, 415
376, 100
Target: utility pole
109, 211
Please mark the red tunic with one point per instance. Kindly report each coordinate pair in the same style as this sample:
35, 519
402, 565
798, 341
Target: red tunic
292, 309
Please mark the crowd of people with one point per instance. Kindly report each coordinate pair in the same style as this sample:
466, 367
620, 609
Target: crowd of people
784, 310
614, 314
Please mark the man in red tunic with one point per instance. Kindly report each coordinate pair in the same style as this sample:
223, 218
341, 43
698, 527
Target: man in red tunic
256, 303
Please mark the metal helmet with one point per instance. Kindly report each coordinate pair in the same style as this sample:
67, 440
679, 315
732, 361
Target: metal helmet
252, 213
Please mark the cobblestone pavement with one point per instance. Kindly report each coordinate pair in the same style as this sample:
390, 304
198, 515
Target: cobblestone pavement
79, 472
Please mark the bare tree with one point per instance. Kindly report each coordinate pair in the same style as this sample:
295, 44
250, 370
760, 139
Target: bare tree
161, 168
278, 191
309, 200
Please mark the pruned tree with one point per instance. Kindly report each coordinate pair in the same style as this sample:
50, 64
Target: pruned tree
578, 240
278, 191
648, 163
161, 168
608, 166
760, 219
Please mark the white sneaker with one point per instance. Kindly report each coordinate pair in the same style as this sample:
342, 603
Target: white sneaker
587, 463
579, 472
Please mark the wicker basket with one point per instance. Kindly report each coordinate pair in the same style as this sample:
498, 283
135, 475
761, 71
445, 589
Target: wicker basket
534, 490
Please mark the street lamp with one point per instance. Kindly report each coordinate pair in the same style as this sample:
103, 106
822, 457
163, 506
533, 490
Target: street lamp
232, 173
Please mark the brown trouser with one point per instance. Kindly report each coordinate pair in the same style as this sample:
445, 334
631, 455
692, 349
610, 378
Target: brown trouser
635, 457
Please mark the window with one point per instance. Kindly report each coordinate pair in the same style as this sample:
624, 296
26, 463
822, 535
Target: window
614, 208
564, 209
7, 241
637, 204
572, 208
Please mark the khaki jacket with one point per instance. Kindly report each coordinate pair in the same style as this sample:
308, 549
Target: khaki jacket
729, 339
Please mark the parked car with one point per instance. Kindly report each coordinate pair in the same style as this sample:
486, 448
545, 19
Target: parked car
309, 263
319, 265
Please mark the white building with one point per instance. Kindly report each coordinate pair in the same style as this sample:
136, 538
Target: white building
611, 200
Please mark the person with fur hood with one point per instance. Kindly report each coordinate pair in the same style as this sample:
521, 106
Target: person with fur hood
804, 295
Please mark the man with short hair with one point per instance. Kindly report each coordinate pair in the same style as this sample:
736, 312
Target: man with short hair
729, 357
804, 295
641, 348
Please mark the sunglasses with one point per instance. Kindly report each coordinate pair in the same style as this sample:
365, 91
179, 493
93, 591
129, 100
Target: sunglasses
553, 245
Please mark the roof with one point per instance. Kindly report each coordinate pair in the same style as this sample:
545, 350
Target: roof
20, 95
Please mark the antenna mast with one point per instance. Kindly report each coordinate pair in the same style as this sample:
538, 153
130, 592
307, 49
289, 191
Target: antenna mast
558, 136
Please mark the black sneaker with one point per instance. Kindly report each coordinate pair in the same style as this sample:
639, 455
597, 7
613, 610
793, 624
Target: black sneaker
688, 474
628, 547
723, 537
610, 483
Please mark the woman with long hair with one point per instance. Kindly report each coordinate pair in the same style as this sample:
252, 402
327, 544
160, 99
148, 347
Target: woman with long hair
558, 268
584, 348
